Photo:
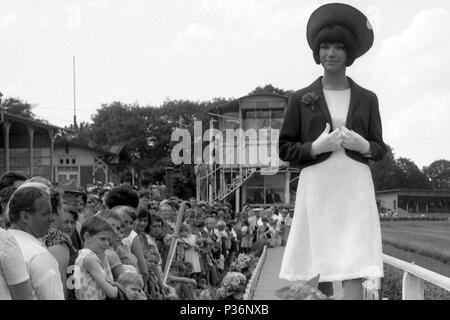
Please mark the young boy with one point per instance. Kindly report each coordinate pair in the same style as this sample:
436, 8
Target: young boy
133, 285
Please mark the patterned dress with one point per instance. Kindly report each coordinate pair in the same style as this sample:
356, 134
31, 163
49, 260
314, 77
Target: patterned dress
55, 237
85, 286
153, 258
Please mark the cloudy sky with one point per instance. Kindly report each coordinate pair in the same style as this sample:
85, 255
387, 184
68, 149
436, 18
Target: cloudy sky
147, 51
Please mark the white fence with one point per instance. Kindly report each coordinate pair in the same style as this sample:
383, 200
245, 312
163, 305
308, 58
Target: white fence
251, 285
414, 278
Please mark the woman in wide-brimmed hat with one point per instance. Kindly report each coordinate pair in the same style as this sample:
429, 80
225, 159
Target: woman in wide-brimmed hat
330, 131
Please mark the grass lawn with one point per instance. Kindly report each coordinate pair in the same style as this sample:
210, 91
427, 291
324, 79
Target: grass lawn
428, 238
427, 243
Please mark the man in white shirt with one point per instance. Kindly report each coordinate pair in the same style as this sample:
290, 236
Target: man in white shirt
14, 279
30, 214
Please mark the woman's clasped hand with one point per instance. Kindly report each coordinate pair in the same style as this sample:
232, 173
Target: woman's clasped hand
339, 137
353, 141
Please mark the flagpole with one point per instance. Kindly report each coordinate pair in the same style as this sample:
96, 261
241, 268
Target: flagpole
74, 96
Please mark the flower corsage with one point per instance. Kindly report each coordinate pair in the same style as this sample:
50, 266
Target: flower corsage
310, 99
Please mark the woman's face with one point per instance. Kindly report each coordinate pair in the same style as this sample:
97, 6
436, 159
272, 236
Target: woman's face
333, 57
140, 224
156, 229
69, 223
127, 224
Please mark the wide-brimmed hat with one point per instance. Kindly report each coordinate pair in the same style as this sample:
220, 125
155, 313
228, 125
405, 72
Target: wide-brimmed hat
345, 16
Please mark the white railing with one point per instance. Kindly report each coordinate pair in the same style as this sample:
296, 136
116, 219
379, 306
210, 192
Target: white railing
414, 278
251, 285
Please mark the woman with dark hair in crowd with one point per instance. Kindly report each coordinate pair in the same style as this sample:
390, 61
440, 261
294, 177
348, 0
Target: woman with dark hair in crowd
156, 290
58, 242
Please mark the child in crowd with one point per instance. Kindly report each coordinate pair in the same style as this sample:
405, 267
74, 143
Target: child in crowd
191, 251
92, 275
118, 257
246, 242
133, 285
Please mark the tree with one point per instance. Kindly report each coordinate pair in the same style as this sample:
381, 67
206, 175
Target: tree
385, 173
118, 123
438, 173
268, 88
411, 176
18, 107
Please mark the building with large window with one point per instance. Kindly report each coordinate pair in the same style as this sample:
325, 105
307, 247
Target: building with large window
250, 171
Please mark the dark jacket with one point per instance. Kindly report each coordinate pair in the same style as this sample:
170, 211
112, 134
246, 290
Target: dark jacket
302, 125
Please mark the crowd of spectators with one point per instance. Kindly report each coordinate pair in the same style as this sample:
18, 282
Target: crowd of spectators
60, 242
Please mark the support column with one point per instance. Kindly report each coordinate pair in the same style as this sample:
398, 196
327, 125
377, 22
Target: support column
31, 135
197, 189
287, 189
106, 174
238, 199
132, 176
6, 126
51, 134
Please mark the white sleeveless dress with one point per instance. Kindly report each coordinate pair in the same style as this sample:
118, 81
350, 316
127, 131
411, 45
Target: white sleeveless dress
335, 230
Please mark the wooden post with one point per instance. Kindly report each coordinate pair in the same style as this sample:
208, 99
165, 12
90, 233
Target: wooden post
238, 200
169, 180
412, 287
31, 136
287, 191
6, 126
173, 244
51, 135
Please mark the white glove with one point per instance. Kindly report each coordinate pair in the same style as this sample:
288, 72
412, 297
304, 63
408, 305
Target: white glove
327, 141
353, 141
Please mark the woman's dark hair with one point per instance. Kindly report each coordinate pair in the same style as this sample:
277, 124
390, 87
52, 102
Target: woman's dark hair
155, 218
9, 178
143, 213
336, 34
23, 200
5, 195
56, 199
94, 225
122, 196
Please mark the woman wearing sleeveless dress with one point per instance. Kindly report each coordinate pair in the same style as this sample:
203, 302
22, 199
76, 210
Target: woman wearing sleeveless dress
330, 131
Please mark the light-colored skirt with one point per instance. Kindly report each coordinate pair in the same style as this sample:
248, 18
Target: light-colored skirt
335, 231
